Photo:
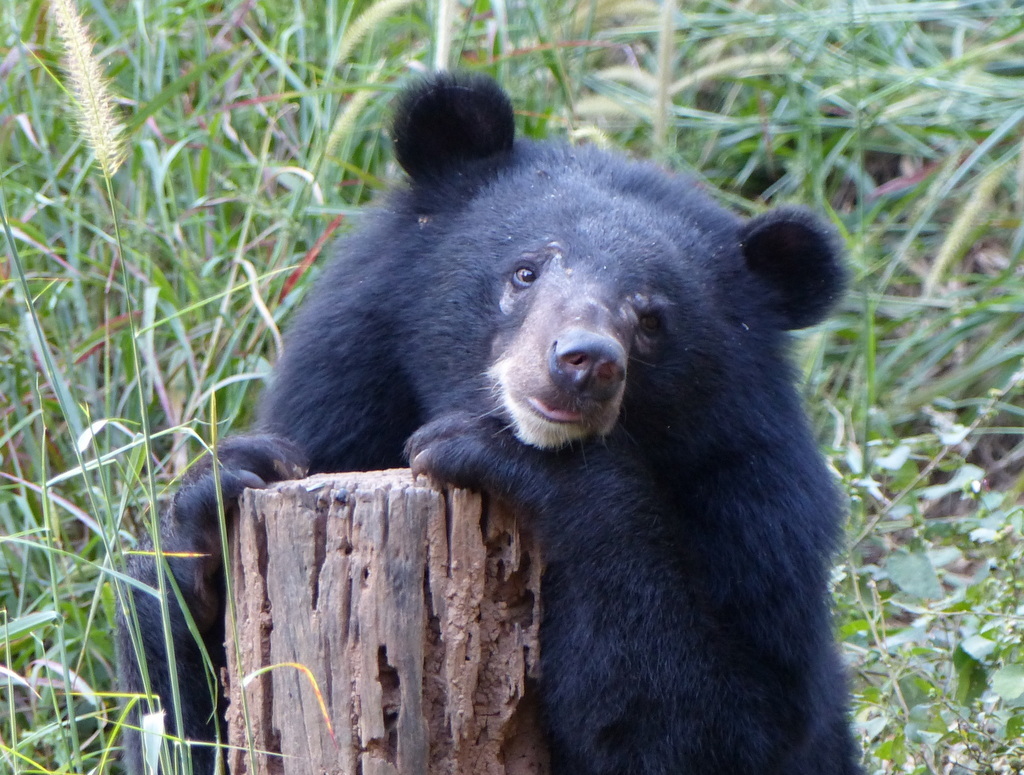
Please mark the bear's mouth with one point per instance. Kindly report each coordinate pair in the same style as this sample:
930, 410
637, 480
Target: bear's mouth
553, 414
554, 420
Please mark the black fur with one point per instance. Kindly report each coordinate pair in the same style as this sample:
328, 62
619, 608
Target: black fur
448, 120
687, 551
783, 246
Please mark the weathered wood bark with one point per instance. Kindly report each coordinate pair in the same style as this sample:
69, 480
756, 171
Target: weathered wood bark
413, 613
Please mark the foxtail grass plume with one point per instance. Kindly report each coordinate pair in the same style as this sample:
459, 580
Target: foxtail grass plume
366, 22
94, 101
347, 118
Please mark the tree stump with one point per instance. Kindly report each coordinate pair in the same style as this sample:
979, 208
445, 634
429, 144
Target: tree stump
382, 627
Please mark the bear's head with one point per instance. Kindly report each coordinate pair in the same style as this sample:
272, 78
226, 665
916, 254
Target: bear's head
608, 286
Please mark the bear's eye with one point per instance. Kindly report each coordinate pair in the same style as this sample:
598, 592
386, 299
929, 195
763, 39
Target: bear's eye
650, 323
524, 275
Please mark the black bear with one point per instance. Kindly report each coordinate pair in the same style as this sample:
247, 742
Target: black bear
599, 343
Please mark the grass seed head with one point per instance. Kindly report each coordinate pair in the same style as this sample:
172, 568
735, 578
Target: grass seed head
94, 100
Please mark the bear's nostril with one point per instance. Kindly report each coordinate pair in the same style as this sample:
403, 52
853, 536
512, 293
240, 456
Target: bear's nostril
608, 371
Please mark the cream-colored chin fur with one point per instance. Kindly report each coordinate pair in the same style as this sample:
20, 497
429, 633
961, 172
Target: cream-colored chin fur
532, 429
529, 427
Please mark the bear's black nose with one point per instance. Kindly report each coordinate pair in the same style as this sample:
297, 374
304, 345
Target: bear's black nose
588, 364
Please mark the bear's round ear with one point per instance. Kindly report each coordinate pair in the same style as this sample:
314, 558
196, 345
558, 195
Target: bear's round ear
448, 119
798, 256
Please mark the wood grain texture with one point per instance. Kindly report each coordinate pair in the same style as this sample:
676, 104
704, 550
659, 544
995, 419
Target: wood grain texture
413, 611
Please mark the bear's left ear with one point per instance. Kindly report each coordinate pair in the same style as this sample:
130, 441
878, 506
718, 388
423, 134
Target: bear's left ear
798, 256
448, 119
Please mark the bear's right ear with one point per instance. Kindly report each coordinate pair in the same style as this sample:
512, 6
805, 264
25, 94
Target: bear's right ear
797, 256
448, 119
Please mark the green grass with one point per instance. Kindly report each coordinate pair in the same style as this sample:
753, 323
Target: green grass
253, 128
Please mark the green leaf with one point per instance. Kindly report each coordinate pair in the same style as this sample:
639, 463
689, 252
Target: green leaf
913, 573
1008, 682
971, 677
25, 624
894, 460
1015, 726
961, 479
978, 646
925, 725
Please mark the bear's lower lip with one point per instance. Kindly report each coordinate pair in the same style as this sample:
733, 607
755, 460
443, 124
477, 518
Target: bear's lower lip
552, 414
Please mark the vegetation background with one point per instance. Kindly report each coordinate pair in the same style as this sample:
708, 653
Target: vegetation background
146, 275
